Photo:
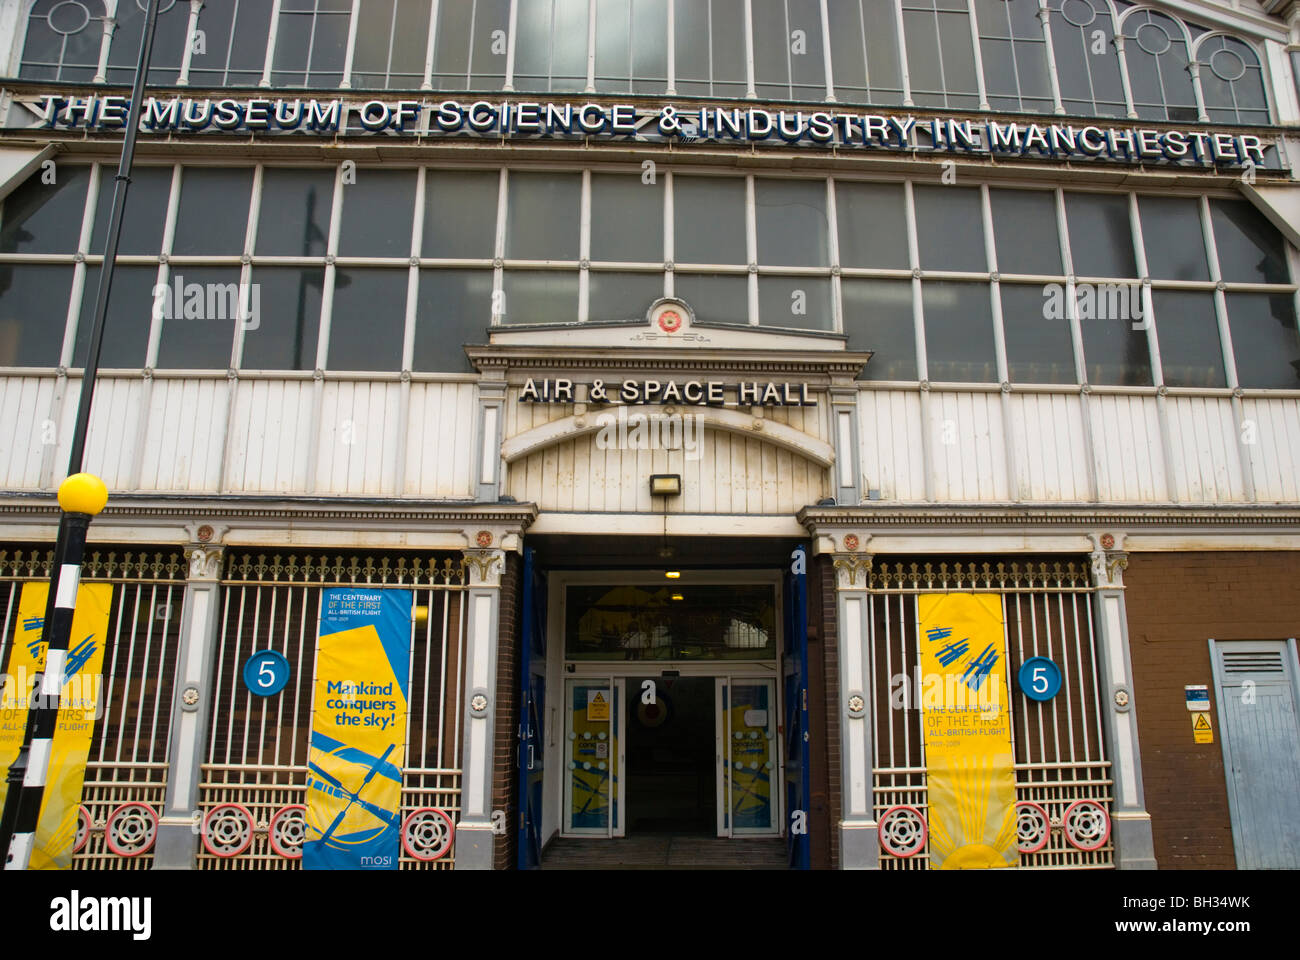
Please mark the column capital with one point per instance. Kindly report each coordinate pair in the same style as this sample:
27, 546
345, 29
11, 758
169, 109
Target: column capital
1108, 563
852, 571
484, 566
204, 561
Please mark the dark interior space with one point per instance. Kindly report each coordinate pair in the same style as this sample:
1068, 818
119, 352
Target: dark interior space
670, 757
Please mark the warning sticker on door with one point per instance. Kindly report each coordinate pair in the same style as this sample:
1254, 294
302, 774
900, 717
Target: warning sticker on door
1202, 730
597, 705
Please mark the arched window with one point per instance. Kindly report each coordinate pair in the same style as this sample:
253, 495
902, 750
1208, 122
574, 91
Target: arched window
1014, 54
940, 58
864, 52
1232, 81
63, 41
1158, 58
1087, 66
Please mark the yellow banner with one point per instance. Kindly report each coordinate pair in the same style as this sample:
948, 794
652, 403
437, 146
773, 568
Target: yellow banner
970, 762
56, 830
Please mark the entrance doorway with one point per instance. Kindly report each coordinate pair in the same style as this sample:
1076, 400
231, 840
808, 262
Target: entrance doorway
671, 776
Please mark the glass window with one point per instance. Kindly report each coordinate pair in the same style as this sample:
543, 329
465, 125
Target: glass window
1157, 59
864, 52
940, 59
1232, 81
1101, 236
878, 317
33, 313
460, 214
368, 320
145, 213
392, 38
709, 622
789, 58
800, 302
213, 215
1171, 231
169, 39
63, 41
715, 298
471, 45
627, 218
1039, 346
543, 216
632, 46
1250, 248
294, 220
454, 308
551, 45
1014, 54
792, 227
311, 43
198, 326
43, 217
1115, 349
950, 228
288, 301
872, 223
377, 213
1024, 226
233, 51
1190, 353
126, 328
622, 296
710, 48
959, 332
1087, 65
1264, 340
709, 220
540, 296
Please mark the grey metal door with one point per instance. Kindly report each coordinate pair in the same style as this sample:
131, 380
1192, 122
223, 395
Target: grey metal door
1257, 688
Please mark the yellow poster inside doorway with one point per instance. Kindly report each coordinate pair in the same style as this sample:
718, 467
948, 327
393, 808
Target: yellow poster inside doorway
965, 716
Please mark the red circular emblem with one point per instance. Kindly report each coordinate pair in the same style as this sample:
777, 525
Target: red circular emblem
670, 321
851, 542
1107, 541
484, 538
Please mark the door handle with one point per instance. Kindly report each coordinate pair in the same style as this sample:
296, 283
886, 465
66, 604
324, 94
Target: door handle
530, 756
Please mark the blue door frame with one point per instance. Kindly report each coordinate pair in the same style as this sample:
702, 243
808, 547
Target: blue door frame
532, 710
797, 777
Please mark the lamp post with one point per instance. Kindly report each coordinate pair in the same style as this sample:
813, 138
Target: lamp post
81, 496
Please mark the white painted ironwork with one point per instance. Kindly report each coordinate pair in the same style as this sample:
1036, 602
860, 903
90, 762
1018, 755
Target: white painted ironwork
1063, 779
257, 747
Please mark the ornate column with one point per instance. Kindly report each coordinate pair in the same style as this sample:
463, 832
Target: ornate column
859, 847
474, 834
1131, 824
178, 833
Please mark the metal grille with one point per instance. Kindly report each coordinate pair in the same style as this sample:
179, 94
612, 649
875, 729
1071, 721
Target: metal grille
128, 753
257, 748
1059, 748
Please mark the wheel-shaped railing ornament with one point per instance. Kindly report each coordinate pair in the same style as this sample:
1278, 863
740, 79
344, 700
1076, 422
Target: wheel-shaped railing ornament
903, 832
288, 829
427, 834
84, 825
228, 830
1033, 827
131, 829
1087, 825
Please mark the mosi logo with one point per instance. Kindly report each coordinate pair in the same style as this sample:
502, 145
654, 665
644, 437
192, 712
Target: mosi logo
377, 861
76, 913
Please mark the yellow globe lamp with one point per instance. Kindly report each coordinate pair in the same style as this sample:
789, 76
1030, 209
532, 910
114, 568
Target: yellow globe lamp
83, 493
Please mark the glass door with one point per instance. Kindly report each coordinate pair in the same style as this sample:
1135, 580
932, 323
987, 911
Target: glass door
592, 757
749, 758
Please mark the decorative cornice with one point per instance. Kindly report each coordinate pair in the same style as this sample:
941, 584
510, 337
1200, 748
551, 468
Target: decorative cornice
631, 357
821, 519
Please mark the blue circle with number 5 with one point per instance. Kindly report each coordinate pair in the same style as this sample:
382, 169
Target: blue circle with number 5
1040, 678
266, 673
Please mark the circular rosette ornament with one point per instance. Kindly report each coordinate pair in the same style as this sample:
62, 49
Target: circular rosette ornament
131, 829
1087, 825
228, 830
427, 834
288, 830
1033, 827
84, 825
903, 832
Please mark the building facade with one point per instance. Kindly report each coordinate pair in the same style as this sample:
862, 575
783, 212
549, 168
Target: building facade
675, 356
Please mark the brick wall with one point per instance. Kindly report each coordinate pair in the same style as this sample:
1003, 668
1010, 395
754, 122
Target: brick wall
1176, 602
505, 768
